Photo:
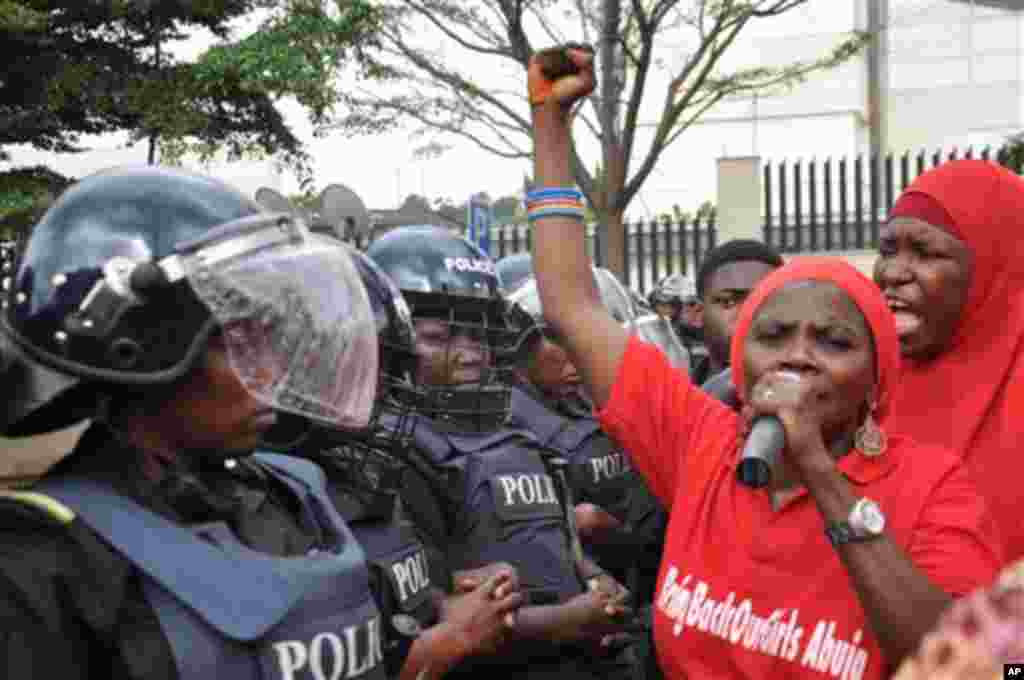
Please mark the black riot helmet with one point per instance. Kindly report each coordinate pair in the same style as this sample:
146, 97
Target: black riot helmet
7, 356
620, 302
393, 320
367, 463
103, 222
616, 298
448, 280
125, 277
514, 271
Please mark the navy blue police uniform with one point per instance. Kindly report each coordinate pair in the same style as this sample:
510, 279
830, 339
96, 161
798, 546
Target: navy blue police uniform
91, 571
363, 485
503, 494
598, 472
233, 568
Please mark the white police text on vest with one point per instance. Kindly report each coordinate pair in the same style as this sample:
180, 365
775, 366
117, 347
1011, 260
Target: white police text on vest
534, 489
609, 467
332, 656
411, 575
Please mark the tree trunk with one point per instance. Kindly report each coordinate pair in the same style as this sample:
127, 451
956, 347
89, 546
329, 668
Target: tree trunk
612, 232
613, 243
154, 135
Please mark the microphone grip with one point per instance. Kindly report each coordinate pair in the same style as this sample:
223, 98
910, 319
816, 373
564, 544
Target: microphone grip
761, 452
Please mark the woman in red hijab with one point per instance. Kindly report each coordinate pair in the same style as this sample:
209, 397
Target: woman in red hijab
848, 556
951, 270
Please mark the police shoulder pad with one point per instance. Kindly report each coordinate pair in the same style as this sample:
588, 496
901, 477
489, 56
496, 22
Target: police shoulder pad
40, 503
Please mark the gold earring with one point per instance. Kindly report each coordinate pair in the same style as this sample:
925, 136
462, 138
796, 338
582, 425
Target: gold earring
869, 438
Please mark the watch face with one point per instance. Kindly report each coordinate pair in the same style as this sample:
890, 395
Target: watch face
872, 518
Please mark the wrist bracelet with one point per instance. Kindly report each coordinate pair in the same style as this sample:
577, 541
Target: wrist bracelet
542, 213
546, 193
554, 202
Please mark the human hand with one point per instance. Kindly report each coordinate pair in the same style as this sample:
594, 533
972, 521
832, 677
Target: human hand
949, 656
606, 583
561, 75
790, 398
994, 617
481, 620
593, 615
592, 521
468, 580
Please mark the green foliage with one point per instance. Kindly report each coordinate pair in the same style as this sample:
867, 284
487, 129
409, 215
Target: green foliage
33, 181
298, 52
25, 193
62, 73
75, 67
18, 16
1012, 154
704, 214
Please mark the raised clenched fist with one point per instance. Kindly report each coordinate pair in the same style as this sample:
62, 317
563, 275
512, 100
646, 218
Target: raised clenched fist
561, 74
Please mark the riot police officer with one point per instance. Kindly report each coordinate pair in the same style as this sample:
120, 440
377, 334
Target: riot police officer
159, 548
425, 631
505, 497
621, 521
624, 304
675, 297
513, 271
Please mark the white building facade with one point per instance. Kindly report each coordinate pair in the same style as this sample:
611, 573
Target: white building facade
952, 76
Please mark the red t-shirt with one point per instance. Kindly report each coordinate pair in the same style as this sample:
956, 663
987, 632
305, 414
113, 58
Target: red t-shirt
746, 592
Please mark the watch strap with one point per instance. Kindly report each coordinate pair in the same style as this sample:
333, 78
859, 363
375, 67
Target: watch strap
841, 533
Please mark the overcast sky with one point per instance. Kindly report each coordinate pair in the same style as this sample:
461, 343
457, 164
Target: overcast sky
383, 170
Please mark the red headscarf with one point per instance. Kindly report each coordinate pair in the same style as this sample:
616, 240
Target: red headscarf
968, 398
861, 291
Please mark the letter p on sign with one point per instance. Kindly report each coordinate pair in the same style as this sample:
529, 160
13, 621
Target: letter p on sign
1013, 670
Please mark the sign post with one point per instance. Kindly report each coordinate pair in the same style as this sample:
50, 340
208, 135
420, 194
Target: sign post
480, 219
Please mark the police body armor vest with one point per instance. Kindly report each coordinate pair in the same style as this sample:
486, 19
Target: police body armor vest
599, 471
400, 581
235, 613
510, 508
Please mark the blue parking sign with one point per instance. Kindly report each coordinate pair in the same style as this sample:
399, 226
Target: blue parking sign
480, 219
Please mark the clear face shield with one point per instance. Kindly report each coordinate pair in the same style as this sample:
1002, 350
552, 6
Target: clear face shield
296, 319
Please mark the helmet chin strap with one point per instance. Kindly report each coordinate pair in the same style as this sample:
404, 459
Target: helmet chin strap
470, 408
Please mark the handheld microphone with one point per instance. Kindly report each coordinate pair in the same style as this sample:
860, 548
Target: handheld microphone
761, 452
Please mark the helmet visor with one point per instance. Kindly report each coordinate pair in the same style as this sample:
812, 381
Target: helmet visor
296, 320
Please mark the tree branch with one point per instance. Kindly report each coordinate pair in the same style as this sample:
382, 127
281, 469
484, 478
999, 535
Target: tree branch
779, 7
478, 48
555, 37
456, 81
584, 26
636, 95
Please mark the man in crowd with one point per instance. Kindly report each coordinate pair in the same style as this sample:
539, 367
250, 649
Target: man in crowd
676, 299
727, 275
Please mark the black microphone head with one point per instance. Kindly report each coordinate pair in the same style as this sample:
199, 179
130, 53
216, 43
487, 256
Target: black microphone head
754, 472
761, 451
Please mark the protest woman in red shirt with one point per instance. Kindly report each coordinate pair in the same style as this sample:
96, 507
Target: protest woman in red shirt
838, 567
